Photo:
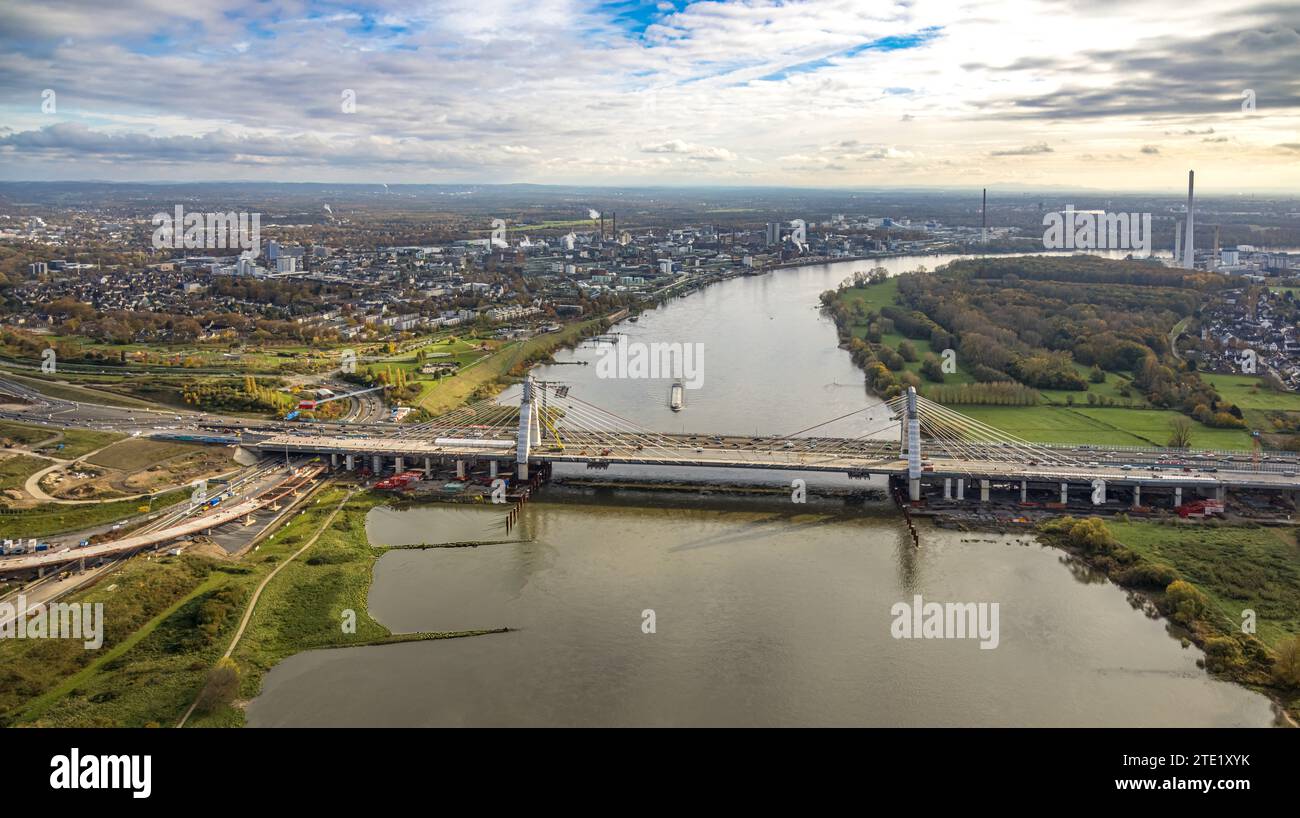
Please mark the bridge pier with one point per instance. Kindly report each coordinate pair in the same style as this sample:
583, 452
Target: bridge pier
494, 466
82, 569
460, 469
350, 461
1024, 491
377, 464
984, 491
1221, 493
399, 464
947, 488
1065, 493
961, 488
914, 488
1137, 496
334, 460
428, 467
1178, 496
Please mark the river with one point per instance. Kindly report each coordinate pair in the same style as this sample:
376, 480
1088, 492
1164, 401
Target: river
765, 613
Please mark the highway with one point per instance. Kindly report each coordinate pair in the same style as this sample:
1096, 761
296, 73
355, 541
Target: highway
1153, 467
268, 485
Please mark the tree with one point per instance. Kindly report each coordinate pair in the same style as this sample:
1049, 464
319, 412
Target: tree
220, 688
1096, 374
932, 369
1286, 670
1180, 433
1187, 602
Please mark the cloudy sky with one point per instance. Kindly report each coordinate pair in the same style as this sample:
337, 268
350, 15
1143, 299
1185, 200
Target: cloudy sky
1099, 93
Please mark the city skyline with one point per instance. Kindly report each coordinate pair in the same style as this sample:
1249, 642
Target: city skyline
816, 94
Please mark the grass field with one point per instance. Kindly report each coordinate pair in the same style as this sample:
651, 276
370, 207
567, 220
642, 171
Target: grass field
16, 468
79, 442
138, 599
1105, 427
21, 434
1249, 392
37, 707
76, 442
58, 518
137, 453
1239, 568
445, 395
157, 655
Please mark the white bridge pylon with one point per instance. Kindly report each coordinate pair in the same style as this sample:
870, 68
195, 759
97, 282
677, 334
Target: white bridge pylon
953, 436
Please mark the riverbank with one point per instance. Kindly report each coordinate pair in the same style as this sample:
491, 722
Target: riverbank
169, 619
318, 601
488, 376
1234, 592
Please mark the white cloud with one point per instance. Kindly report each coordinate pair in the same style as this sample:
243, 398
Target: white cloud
564, 91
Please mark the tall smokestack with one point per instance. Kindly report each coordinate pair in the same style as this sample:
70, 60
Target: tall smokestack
1189, 244
614, 230
602, 226
1178, 240
984, 218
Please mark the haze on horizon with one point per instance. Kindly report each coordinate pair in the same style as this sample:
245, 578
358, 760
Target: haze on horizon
823, 93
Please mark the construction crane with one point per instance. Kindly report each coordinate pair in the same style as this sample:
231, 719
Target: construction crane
309, 405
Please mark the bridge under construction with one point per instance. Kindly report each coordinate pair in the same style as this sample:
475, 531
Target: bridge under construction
204, 518
918, 444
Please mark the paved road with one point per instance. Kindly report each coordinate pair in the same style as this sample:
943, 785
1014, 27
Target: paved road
815, 454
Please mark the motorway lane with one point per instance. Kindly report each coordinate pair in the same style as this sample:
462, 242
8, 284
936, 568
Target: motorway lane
818, 454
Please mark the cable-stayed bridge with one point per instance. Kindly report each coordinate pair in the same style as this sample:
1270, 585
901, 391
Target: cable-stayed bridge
923, 443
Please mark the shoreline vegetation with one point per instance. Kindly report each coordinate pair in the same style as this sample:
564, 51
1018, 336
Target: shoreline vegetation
170, 618
1232, 591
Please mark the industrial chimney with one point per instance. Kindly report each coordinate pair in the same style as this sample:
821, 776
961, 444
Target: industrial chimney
1189, 245
984, 218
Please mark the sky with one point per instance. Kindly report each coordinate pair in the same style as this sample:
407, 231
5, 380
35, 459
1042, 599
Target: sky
824, 93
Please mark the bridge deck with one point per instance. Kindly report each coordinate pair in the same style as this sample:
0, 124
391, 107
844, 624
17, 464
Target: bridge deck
878, 457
